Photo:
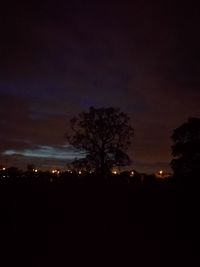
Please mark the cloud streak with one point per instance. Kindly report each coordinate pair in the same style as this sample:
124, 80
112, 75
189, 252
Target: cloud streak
65, 153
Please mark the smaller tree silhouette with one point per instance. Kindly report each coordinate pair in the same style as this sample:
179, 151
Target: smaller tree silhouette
30, 167
104, 134
186, 150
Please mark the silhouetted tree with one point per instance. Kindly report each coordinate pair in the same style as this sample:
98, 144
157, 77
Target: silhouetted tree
13, 171
104, 134
30, 167
186, 150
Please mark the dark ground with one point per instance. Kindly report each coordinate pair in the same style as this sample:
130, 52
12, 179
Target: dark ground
75, 223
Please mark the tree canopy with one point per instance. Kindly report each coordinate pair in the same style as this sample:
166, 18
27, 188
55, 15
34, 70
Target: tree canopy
105, 135
186, 149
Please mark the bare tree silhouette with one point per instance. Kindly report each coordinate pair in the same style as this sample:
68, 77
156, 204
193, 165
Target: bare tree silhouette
104, 134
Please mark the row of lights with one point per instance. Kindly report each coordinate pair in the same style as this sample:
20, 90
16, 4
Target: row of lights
55, 171
132, 173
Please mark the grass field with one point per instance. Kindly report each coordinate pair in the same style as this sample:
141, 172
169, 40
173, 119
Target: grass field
84, 221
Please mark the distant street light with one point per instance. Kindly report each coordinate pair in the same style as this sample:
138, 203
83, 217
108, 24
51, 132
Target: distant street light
55, 172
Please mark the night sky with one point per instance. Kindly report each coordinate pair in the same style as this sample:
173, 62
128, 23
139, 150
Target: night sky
59, 58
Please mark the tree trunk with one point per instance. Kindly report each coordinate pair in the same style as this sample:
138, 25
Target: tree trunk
102, 164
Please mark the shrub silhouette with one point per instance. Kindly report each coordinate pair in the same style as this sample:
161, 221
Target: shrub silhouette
186, 151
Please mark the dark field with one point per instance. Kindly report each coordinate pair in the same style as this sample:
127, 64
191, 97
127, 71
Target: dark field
81, 221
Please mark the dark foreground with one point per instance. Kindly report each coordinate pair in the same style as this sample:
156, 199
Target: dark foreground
80, 223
